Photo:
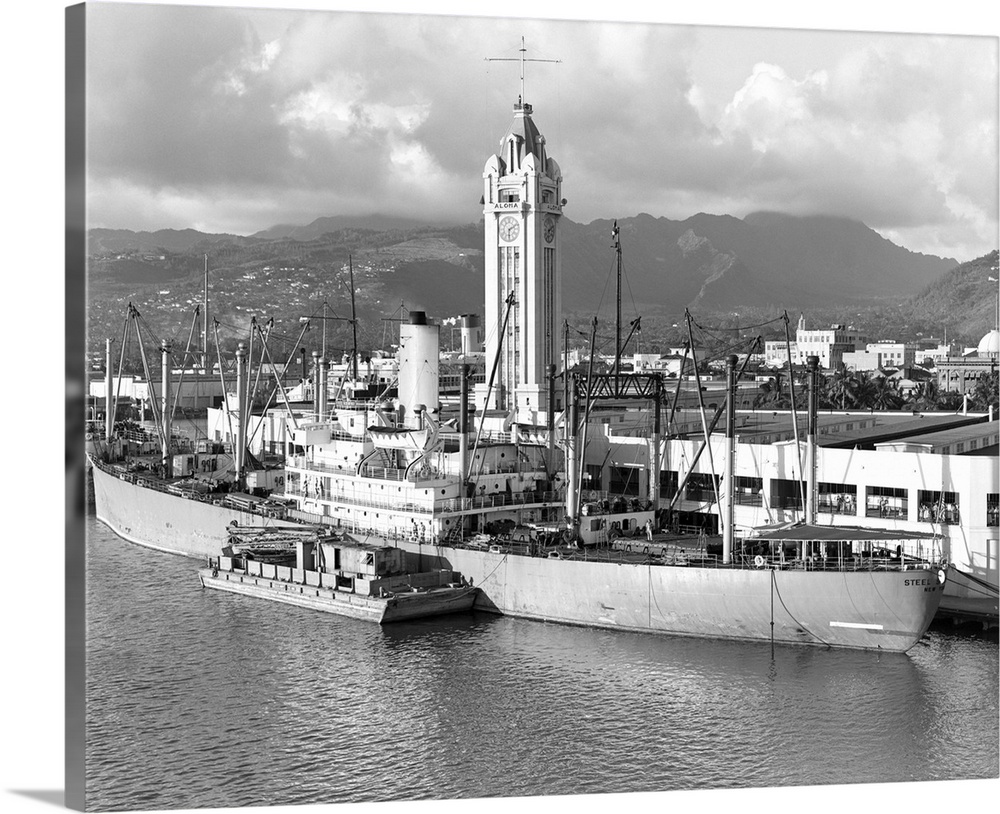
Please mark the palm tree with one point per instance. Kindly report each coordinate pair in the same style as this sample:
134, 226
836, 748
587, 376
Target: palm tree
882, 393
949, 400
984, 395
842, 389
924, 397
767, 395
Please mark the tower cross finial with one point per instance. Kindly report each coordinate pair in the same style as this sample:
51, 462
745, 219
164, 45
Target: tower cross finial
522, 59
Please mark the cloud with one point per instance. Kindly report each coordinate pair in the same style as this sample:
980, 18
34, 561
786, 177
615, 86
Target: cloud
900, 134
397, 113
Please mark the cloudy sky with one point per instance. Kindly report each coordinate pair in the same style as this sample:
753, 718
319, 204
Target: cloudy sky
235, 119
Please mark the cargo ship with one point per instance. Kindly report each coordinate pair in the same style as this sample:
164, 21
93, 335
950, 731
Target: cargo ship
494, 487
501, 508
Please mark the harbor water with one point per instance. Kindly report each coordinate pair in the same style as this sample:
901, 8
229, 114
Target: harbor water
200, 698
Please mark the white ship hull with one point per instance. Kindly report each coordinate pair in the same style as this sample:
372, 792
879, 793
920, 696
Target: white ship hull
165, 521
888, 610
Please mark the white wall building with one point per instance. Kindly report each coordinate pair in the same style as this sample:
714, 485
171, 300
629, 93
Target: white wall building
776, 352
880, 355
829, 344
197, 390
935, 355
925, 484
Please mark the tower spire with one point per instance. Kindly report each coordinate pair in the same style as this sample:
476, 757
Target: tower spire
522, 59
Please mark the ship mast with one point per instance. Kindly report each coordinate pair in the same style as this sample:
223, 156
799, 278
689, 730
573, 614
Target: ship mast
730, 491
354, 320
240, 449
109, 406
165, 415
316, 383
791, 395
812, 365
618, 303
204, 323
570, 431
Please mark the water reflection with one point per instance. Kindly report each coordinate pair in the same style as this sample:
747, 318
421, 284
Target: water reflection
199, 698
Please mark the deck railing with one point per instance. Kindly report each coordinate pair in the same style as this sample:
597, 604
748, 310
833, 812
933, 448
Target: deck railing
150, 481
665, 554
448, 506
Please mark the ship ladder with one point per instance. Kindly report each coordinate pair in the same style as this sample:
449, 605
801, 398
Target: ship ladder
453, 535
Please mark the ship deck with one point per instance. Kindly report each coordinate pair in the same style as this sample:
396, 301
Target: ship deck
700, 552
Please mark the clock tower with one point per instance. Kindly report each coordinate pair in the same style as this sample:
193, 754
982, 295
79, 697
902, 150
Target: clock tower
522, 208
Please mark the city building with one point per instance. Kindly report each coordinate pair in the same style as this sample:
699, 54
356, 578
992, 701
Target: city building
935, 355
963, 373
777, 351
880, 355
829, 344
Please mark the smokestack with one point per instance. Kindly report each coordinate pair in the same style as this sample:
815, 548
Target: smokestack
419, 353
472, 340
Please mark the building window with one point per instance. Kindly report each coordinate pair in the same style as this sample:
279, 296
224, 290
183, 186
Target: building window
668, 483
837, 498
592, 477
701, 486
748, 491
786, 494
624, 480
938, 507
993, 509
886, 501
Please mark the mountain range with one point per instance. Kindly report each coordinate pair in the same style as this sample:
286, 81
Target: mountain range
703, 262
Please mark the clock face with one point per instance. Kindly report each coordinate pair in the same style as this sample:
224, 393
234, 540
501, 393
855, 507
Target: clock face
549, 230
509, 227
